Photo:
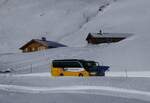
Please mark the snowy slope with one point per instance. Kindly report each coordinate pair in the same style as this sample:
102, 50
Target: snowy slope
23, 20
125, 16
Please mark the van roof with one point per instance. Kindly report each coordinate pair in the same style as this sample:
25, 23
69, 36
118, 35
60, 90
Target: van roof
69, 60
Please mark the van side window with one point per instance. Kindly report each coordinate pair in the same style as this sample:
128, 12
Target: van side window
66, 64
74, 64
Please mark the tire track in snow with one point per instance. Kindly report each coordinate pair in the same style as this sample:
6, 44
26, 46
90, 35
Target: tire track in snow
96, 90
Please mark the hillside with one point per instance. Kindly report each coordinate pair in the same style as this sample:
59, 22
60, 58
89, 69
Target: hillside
66, 22
22, 20
69, 22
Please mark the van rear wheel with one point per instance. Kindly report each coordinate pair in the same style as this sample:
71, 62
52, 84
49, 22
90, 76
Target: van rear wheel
61, 74
80, 75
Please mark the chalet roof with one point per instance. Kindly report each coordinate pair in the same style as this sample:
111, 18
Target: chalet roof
44, 43
49, 43
113, 35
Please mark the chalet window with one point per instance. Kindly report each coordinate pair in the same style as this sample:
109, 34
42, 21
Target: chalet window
26, 49
41, 48
33, 49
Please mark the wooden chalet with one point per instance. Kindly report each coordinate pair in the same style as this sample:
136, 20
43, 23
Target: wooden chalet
38, 45
99, 38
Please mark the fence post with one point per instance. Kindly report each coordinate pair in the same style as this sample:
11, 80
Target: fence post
31, 69
126, 73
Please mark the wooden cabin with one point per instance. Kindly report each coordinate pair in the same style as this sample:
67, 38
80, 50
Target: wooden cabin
99, 38
38, 45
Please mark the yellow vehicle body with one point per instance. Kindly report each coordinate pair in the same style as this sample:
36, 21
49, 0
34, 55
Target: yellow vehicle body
61, 72
75, 67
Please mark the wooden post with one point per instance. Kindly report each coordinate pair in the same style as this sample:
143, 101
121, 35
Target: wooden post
126, 73
31, 69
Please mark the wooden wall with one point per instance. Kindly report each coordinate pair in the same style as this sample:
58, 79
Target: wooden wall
103, 40
34, 47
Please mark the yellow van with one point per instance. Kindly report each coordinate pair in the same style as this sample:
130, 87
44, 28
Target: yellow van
77, 67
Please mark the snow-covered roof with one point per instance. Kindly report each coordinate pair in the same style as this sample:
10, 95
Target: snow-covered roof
49, 43
45, 43
114, 35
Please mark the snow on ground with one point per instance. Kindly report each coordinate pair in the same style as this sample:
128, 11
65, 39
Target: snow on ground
115, 87
131, 83
120, 87
47, 74
65, 22
68, 22
127, 16
129, 74
41, 61
21, 21
145, 74
100, 90
64, 98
